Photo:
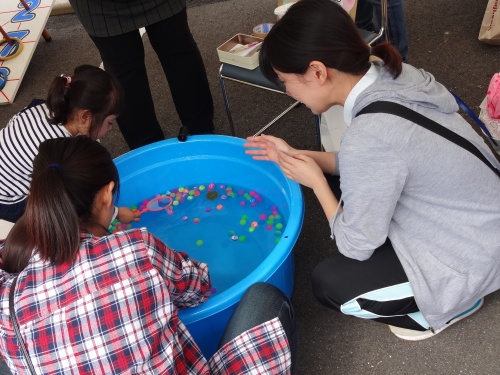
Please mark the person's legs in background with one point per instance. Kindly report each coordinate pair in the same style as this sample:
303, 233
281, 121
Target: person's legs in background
260, 303
123, 56
396, 24
183, 66
364, 15
369, 11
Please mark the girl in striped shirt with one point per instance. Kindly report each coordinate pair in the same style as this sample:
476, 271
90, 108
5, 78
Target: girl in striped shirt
85, 104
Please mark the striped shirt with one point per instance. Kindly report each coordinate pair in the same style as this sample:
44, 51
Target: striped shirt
19, 142
115, 311
105, 18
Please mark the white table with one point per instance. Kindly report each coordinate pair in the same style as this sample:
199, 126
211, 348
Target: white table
27, 26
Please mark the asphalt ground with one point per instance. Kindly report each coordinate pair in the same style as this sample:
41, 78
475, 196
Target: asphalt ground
442, 40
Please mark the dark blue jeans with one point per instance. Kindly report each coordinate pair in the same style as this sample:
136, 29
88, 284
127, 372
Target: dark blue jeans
260, 303
4, 370
368, 17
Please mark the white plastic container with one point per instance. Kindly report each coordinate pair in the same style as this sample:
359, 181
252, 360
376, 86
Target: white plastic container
348, 5
281, 10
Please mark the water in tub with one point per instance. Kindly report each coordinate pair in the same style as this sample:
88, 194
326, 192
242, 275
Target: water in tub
230, 227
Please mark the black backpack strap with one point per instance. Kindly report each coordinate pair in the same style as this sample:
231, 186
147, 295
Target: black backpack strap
397, 109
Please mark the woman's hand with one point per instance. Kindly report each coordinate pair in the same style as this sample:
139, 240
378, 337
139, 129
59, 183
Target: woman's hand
302, 169
126, 215
267, 147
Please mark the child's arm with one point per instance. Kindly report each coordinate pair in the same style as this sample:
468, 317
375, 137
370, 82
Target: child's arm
188, 280
126, 215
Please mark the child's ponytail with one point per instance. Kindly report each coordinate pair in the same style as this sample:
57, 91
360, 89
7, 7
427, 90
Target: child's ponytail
55, 229
68, 173
57, 100
90, 88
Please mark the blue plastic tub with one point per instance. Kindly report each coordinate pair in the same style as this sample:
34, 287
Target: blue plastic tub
217, 158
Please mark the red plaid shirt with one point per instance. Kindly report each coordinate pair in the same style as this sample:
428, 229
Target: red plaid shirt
114, 311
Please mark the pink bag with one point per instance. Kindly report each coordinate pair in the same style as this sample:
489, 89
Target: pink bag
493, 96
490, 107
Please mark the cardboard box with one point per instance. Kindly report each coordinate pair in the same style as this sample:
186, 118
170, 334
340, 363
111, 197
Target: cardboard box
248, 62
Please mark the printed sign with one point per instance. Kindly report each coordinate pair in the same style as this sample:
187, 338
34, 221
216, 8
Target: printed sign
25, 28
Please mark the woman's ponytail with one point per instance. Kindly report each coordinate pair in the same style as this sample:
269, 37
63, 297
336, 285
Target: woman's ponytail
391, 57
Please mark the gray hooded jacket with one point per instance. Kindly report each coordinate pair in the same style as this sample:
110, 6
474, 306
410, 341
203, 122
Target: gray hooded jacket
438, 204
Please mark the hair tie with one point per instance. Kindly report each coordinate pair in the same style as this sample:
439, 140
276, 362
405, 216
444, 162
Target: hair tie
56, 167
68, 79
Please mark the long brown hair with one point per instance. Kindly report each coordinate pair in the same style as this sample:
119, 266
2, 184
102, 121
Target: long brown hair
320, 30
67, 175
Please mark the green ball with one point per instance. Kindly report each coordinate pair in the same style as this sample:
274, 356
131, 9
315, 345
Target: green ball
199, 243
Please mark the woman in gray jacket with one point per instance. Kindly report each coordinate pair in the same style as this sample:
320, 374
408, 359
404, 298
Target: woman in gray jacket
417, 226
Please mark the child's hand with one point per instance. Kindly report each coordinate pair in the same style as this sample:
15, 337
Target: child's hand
126, 215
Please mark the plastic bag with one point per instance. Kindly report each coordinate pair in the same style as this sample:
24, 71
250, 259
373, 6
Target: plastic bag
490, 27
490, 107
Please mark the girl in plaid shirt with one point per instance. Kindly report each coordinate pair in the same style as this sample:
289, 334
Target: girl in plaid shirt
91, 302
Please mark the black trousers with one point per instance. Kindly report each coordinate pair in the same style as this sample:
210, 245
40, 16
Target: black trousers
376, 288
12, 212
123, 56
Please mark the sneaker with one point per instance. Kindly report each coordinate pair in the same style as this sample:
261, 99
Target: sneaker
412, 335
